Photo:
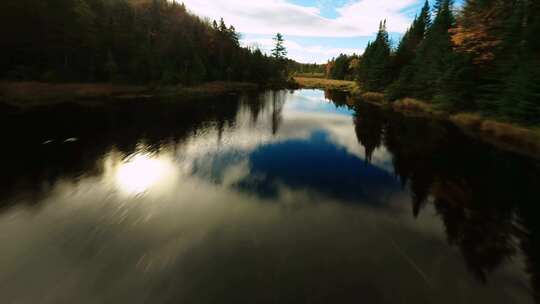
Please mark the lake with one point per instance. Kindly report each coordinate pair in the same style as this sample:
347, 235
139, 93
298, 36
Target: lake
273, 197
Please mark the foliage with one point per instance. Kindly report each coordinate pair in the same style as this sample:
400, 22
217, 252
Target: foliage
343, 67
307, 68
279, 51
327, 84
408, 46
483, 58
374, 68
138, 41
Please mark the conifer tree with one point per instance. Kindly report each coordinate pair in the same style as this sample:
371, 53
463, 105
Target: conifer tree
405, 54
520, 98
374, 70
222, 26
434, 55
279, 51
340, 67
234, 36
134, 41
411, 40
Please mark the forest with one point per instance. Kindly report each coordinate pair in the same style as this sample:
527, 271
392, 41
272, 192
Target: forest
483, 56
343, 67
127, 41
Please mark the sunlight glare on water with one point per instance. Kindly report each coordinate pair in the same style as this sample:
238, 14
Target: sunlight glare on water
140, 172
277, 197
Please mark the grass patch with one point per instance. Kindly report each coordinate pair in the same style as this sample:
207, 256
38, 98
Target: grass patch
373, 97
327, 84
505, 135
310, 75
470, 120
205, 90
27, 94
32, 93
508, 136
411, 105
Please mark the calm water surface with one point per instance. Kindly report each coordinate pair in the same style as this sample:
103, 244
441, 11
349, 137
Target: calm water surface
280, 197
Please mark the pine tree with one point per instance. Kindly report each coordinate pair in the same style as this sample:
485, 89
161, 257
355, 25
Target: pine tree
340, 67
279, 52
374, 69
222, 26
411, 40
234, 36
434, 55
520, 98
406, 53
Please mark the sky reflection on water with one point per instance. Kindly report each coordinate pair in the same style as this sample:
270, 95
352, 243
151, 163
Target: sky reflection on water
288, 197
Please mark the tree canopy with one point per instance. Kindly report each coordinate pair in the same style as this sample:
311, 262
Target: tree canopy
483, 57
123, 40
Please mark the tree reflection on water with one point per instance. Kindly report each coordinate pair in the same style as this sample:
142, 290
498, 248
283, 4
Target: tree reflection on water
486, 198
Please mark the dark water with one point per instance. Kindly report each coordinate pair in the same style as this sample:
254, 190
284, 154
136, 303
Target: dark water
274, 198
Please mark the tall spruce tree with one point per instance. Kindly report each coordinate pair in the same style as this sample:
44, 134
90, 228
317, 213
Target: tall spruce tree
279, 52
374, 69
434, 54
520, 98
406, 53
408, 45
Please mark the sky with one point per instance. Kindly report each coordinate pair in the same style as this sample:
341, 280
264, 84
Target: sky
314, 30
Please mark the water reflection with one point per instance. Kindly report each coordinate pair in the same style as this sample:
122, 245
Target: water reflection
286, 197
140, 172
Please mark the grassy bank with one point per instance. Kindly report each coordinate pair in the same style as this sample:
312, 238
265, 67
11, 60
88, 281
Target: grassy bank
508, 136
27, 94
505, 135
310, 75
326, 84
513, 137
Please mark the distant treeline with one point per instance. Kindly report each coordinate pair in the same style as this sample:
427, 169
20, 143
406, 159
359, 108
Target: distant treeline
344, 67
485, 57
306, 68
125, 41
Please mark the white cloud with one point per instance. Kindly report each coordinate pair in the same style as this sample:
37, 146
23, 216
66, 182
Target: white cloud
368, 14
357, 18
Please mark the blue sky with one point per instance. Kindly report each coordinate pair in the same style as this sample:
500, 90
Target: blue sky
315, 30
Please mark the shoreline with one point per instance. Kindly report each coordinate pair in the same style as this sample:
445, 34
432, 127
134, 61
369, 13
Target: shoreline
30, 94
327, 84
504, 135
508, 136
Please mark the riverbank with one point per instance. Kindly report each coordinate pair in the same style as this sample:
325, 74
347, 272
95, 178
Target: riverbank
327, 84
505, 135
28, 94
520, 139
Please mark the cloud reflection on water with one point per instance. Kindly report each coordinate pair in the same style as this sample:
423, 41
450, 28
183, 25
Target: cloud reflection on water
276, 196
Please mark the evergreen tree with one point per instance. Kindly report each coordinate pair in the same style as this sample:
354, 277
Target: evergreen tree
234, 36
222, 26
374, 69
279, 52
408, 46
340, 67
434, 56
405, 54
520, 98
111, 40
